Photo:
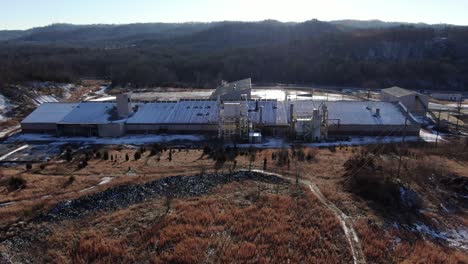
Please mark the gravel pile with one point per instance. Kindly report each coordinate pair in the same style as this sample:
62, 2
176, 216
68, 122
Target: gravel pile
124, 196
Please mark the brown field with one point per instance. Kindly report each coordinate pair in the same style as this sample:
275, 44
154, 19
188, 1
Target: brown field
246, 222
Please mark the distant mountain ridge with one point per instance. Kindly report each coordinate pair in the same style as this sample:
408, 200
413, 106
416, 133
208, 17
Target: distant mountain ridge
347, 53
141, 31
375, 23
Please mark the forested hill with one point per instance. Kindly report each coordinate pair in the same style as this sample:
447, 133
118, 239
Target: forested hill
371, 54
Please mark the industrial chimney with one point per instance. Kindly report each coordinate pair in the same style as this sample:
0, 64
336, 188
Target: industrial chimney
124, 106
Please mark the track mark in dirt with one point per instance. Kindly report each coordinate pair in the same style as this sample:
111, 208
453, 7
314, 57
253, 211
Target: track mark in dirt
346, 223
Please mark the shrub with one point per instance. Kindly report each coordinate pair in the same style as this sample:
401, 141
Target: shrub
137, 155
311, 155
28, 166
69, 181
16, 183
106, 155
68, 155
300, 154
282, 157
369, 181
127, 158
83, 164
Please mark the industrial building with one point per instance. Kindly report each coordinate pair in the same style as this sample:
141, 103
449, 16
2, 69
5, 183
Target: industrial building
237, 117
416, 103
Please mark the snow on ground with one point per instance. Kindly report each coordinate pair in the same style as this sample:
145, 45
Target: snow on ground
270, 94
455, 238
9, 130
354, 141
96, 96
66, 90
430, 135
13, 152
5, 106
103, 181
103, 99
290, 94
269, 142
452, 106
40, 99
131, 140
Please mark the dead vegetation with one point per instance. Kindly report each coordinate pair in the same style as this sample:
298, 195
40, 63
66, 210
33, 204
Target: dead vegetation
391, 245
436, 176
241, 222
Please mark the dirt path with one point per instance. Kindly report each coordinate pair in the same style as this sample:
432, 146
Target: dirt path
346, 223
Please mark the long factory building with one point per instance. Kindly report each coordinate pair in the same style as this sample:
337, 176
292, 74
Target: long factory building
228, 116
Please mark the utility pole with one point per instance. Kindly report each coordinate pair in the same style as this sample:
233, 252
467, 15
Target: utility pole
459, 106
438, 127
400, 151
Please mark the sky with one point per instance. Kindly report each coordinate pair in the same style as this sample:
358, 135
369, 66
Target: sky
23, 14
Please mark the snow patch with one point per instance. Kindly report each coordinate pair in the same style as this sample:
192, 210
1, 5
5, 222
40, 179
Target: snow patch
131, 140
454, 238
430, 136
13, 152
40, 99
5, 106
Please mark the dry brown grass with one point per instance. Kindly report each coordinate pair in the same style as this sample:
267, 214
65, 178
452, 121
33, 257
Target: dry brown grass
388, 245
238, 223
246, 222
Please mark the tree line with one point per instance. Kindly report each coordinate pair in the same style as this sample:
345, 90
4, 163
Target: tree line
418, 58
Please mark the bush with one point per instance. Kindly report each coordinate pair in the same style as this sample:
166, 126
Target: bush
127, 158
68, 155
28, 166
368, 180
16, 183
137, 155
311, 155
282, 157
69, 181
83, 164
106, 155
300, 154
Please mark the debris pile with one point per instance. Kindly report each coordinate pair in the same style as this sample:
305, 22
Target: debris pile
123, 196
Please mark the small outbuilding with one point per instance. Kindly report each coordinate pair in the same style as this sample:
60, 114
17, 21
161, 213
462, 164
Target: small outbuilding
416, 103
448, 96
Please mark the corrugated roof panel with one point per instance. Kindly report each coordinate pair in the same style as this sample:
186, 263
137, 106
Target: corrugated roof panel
355, 113
183, 112
90, 113
50, 113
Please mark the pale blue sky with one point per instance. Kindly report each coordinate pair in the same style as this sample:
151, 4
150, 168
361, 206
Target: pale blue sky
22, 14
